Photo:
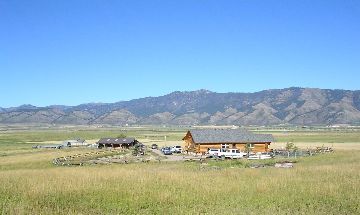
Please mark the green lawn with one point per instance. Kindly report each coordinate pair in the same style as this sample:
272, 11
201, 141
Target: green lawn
323, 137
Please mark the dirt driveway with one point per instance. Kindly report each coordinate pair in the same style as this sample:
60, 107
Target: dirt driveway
174, 157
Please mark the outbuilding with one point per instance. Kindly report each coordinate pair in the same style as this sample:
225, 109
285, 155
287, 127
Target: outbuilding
75, 142
117, 142
201, 140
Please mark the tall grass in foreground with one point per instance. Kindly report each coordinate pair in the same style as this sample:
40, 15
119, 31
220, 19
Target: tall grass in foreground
325, 184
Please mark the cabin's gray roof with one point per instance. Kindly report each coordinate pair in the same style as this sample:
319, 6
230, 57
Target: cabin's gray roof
116, 140
229, 136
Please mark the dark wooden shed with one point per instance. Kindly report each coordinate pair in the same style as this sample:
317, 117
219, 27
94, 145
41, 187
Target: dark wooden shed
117, 142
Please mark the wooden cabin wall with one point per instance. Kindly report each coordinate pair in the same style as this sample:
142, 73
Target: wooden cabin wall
258, 147
188, 144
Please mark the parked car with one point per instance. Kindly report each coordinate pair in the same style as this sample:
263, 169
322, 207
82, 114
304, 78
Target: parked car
234, 154
227, 153
167, 151
176, 149
154, 146
215, 152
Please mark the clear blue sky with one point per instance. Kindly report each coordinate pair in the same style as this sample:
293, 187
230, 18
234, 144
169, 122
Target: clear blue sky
71, 52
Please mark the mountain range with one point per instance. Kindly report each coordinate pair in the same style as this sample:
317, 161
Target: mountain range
293, 106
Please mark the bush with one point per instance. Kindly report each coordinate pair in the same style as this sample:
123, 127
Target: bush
121, 136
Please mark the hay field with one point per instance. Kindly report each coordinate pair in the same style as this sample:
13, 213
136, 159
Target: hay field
30, 184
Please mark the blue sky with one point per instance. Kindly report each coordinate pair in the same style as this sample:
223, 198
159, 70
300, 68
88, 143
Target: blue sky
72, 52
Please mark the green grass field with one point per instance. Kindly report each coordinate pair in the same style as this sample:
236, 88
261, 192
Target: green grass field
31, 184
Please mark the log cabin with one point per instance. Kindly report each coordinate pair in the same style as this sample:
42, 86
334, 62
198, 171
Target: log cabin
201, 140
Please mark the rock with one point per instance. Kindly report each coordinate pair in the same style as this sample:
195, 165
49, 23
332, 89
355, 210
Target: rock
284, 165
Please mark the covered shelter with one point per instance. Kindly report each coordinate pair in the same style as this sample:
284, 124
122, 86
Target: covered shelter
117, 142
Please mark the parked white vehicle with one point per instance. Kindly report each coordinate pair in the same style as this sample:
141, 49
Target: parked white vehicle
176, 149
259, 156
234, 154
227, 153
216, 152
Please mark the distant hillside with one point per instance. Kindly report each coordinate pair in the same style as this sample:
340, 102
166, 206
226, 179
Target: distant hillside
298, 106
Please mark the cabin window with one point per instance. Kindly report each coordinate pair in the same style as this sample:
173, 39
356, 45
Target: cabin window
224, 146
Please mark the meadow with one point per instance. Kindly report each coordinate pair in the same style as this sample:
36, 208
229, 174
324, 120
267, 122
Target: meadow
31, 184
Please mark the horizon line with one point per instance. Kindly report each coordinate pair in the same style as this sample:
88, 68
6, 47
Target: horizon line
181, 91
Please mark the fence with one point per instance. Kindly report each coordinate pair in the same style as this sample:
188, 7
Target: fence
301, 153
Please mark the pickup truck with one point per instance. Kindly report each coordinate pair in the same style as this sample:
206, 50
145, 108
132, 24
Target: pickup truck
227, 153
176, 149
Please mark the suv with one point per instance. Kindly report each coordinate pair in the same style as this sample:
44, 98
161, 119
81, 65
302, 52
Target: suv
227, 153
166, 151
234, 154
176, 149
216, 152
